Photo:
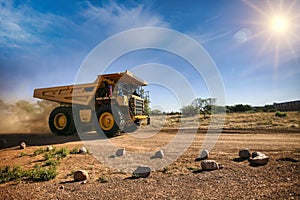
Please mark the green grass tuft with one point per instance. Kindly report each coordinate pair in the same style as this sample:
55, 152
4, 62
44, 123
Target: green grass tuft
280, 114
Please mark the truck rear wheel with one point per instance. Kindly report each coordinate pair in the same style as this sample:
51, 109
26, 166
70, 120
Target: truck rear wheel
61, 121
109, 123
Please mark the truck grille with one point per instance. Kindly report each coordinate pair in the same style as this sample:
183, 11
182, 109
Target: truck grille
137, 106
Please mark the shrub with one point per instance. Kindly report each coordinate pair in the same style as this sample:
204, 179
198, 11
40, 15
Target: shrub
280, 114
62, 153
38, 151
59, 154
42, 173
74, 151
49, 155
8, 174
51, 162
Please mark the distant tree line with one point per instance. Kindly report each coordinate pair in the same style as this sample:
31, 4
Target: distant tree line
209, 106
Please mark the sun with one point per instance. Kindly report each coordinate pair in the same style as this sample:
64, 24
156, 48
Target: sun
279, 24
276, 25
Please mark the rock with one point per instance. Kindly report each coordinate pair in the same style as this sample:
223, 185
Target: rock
259, 160
121, 152
257, 153
141, 172
244, 153
49, 148
22, 145
204, 155
208, 165
81, 175
159, 154
82, 150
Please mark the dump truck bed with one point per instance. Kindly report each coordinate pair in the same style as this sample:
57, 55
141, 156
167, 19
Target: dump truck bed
76, 94
82, 94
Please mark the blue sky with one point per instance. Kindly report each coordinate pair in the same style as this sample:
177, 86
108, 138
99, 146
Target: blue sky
44, 42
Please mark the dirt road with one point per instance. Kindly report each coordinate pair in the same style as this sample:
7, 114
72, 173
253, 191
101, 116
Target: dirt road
183, 179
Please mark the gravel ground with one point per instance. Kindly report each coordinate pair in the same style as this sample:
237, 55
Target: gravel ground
183, 179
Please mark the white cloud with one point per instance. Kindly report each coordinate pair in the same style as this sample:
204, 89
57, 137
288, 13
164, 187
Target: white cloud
115, 17
20, 26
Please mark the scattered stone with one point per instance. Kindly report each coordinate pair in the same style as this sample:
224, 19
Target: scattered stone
49, 148
259, 160
209, 165
121, 152
141, 172
257, 153
244, 153
204, 155
22, 145
61, 187
159, 154
81, 175
82, 150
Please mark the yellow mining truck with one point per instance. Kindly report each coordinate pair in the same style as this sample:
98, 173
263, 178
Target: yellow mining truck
113, 103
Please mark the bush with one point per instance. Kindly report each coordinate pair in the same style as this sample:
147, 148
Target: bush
62, 153
38, 151
74, 151
42, 173
51, 162
280, 114
59, 154
8, 174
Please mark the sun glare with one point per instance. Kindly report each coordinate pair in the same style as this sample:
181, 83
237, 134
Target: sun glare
279, 24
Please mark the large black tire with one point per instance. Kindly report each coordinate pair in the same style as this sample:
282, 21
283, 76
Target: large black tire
108, 122
131, 127
61, 121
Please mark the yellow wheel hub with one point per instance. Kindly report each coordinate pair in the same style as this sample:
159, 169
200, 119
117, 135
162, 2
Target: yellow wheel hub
106, 121
60, 121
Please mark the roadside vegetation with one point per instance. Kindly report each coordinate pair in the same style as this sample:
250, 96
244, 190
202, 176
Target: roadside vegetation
45, 170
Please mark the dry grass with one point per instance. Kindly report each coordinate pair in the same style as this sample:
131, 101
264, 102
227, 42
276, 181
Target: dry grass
260, 120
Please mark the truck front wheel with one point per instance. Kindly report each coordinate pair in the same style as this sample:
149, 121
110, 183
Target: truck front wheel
109, 123
61, 121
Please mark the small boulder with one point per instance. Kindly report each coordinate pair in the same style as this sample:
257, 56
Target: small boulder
81, 175
22, 145
209, 165
256, 153
121, 152
141, 172
49, 148
259, 160
244, 153
204, 155
82, 150
159, 154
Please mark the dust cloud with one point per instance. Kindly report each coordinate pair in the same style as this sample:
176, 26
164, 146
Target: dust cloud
25, 117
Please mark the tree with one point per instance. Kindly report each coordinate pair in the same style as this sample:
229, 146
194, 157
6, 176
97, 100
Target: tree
204, 105
189, 110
